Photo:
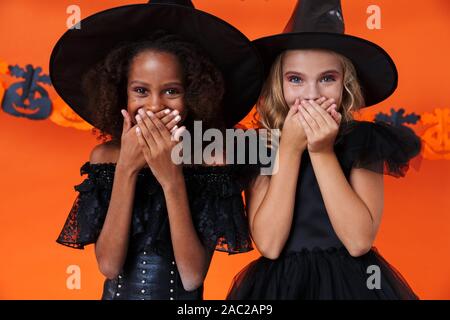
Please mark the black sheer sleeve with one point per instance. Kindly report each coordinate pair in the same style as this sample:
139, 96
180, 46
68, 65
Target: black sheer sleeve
215, 200
379, 147
86, 217
218, 209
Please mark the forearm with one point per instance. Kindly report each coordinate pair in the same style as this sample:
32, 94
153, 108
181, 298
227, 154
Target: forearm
349, 215
190, 254
273, 219
112, 243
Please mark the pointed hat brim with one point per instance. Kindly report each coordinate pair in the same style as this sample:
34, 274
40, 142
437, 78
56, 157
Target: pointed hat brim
78, 50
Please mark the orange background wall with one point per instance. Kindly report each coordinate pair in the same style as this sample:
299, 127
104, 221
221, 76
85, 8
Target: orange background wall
40, 160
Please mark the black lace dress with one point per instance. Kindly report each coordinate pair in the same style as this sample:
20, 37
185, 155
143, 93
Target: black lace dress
314, 263
150, 271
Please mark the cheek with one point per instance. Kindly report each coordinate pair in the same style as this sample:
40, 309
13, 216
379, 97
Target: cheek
179, 105
290, 93
132, 109
133, 103
183, 113
334, 92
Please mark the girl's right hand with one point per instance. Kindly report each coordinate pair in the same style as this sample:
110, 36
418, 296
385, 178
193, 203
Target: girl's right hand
292, 133
329, 106
131, 156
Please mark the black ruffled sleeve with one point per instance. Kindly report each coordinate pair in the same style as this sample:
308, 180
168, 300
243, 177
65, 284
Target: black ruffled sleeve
215, 200
379, 147
86, 217
217, 207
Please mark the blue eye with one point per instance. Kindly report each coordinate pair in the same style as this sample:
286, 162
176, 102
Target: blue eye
294, 79
328, 78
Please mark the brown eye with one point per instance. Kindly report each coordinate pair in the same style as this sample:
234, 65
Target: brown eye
140, 90
172, 91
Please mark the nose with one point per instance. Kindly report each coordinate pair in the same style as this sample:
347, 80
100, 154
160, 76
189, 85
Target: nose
156, 104
311, 92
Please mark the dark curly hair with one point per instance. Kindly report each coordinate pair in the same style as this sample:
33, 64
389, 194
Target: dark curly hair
105, 84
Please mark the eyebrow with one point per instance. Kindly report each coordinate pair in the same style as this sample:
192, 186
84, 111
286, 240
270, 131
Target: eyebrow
165, 84
321, 74
173, 83
139, 82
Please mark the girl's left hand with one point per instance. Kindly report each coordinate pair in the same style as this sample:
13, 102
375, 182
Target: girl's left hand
321, 127
157, 143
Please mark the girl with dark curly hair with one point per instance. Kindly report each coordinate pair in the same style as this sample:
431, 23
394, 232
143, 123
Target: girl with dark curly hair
114, 83
155, 224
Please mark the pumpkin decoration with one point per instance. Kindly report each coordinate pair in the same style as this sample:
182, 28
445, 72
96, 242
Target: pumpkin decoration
64, 116
27, 97
436, 135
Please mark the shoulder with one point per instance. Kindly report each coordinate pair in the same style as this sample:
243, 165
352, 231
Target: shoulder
379, 147
382, 134
104, 153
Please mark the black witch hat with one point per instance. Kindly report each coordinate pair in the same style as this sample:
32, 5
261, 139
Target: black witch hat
319, 24
78, 50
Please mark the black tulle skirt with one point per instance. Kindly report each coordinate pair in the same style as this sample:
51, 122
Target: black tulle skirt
321, 274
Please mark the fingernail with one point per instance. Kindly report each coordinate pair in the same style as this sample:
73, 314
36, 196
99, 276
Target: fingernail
138, 130
166, 111
141, 111
138, 117
150, 114
174, 128
175, 112
177, 118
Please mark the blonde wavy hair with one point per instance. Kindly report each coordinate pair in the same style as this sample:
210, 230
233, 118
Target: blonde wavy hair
272, 108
